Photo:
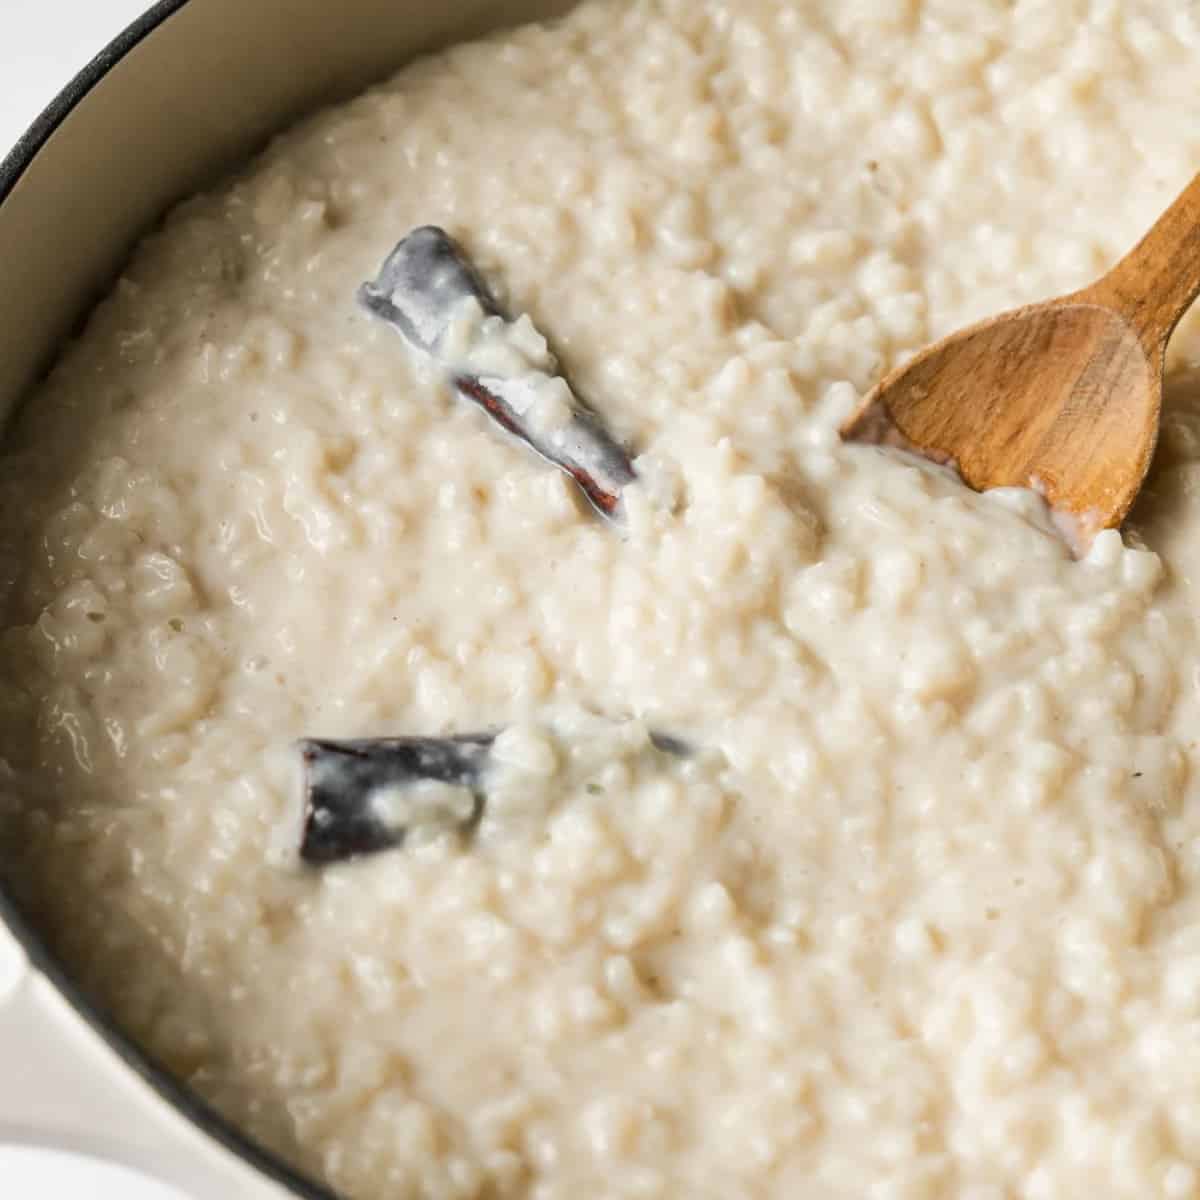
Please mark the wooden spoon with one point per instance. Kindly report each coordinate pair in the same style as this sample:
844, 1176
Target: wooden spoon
1062, 396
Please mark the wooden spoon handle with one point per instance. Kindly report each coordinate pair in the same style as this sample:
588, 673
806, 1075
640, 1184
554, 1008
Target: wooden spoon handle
1156, 282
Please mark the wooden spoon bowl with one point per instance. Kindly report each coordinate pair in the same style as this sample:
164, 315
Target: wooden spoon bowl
1063, 396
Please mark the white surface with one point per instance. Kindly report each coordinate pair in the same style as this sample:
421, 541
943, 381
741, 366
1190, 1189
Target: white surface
42, 44
62, 1088
36, 1173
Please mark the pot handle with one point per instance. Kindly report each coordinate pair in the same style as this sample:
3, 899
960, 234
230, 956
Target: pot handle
63, 1087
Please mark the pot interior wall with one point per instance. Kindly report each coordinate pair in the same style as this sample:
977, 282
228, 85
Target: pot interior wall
205, 86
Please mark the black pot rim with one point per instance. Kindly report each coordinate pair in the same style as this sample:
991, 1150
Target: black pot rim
173, 1091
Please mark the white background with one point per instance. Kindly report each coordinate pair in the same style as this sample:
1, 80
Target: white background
42, 44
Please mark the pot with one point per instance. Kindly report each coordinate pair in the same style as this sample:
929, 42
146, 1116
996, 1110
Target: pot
185, 93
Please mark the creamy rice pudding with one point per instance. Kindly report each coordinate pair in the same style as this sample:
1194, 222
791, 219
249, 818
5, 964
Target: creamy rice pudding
919, 916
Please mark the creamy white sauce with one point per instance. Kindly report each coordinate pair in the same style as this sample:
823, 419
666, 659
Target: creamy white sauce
920, 916
424, 803
490, 346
